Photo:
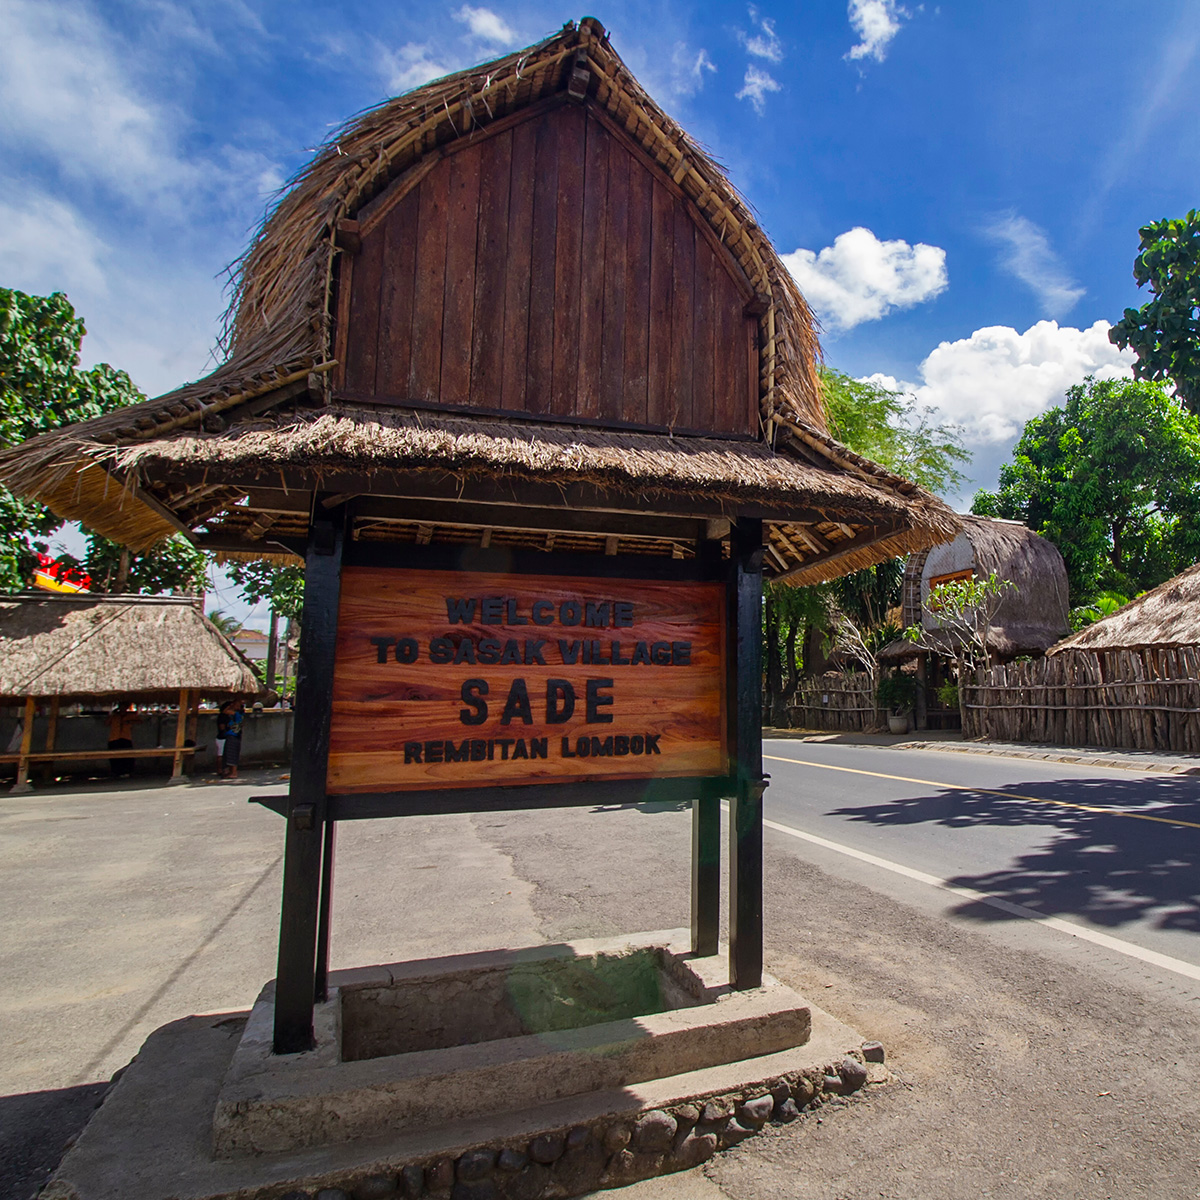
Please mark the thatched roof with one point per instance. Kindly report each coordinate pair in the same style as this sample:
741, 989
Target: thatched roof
1031, 618
1167, 616
279, 332
115, 647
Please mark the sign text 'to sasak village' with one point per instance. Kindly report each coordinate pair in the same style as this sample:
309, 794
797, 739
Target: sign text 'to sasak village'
449, 679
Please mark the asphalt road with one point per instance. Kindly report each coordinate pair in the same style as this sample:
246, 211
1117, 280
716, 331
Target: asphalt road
1110, 852
1031, 1064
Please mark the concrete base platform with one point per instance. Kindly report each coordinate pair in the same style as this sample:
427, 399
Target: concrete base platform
153, 1138
399, 1048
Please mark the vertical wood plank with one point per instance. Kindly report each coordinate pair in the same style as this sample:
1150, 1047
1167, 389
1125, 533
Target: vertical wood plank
345, 282
731, 376
616, 232
462, 230
679, 406
362, 333
591, 272
518, 266
662, 278
399, 232
703, 344
491, 265
429, 287
540, 369
568, 251
637, 294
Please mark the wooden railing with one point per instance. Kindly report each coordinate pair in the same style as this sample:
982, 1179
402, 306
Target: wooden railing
838, 703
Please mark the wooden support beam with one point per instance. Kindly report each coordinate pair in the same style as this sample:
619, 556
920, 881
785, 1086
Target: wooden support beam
299, 923
180, 737
22, 781
51, 737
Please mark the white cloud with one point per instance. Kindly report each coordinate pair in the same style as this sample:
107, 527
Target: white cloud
765, 43
486, 25
66, 94
875, 22
859, 278
412, 65
755, 87
1029, 256
45, 246
994, 381
688, 68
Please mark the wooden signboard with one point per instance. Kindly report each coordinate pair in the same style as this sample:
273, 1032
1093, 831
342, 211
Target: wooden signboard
447, 679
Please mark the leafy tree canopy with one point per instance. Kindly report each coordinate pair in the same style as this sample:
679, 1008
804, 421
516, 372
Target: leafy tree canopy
1112, 478
281, 586
172, 566
42, 386
1165, 332
893, 430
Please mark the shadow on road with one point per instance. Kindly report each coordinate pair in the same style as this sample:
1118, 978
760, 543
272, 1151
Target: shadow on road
35, 1129
1102, 865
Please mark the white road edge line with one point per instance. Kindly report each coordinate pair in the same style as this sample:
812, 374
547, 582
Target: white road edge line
1165, 961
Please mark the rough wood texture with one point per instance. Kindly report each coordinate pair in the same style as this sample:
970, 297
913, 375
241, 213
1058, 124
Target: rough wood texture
380, 706
1147, 699
551, 268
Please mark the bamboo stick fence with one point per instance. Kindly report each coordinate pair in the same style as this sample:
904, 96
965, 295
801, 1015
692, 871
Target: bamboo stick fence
1146, 699
837, 703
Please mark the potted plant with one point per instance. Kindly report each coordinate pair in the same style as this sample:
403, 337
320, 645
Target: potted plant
897, 693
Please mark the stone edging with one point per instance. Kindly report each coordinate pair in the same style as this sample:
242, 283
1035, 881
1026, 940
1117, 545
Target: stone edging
1188, 767
609, 1152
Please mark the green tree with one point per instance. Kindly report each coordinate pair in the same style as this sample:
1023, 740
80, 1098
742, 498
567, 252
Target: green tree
174, 565
42, 387
1112, 478
281, 586
1165, 332
893, 430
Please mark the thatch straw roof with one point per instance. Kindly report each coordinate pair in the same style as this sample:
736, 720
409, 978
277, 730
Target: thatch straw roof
1167, 616
144, 648
114, 472
1030, 619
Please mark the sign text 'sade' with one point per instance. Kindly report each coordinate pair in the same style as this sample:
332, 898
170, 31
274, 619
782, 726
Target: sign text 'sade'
449, 679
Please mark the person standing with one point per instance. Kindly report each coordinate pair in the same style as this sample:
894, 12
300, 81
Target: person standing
233, 712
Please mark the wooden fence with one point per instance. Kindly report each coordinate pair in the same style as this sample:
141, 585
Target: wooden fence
835, 702
1142, 699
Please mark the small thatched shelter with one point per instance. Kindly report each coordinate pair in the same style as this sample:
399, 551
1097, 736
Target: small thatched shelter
523, 284
1169, 615
110, 649
1031, 618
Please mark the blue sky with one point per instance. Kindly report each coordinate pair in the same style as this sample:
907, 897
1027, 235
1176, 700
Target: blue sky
956, 187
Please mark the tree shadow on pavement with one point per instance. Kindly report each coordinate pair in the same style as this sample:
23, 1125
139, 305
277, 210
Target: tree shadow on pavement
1101, 865
35, 1129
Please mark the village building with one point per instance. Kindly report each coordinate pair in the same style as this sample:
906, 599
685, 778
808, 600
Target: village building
110, 650
1033, 615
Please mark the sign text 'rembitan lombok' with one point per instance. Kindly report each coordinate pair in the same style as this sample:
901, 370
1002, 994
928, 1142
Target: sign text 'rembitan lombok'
449, 679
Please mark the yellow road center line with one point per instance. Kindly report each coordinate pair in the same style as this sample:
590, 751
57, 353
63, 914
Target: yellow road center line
962, 787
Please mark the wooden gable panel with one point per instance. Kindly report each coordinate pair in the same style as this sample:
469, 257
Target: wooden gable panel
550, 268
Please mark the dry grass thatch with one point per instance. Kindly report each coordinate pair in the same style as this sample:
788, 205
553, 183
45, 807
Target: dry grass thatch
1031, 618
120, 647
1167, 616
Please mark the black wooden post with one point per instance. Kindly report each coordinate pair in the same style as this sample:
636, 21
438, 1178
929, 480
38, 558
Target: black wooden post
745, 810
706, 827
295, 981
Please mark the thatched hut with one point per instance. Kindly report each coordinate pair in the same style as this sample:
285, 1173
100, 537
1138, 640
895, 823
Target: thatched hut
1167, 616
110, 649
1029, 620
518, 306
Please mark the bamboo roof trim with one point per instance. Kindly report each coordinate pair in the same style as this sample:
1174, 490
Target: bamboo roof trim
121, 647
